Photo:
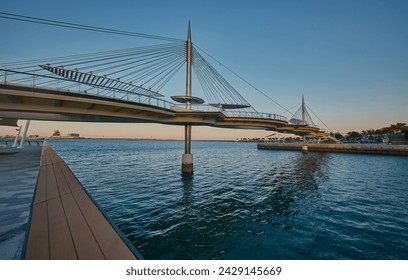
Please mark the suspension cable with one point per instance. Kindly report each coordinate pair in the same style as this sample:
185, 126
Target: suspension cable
244, 80
82, 27
319, 119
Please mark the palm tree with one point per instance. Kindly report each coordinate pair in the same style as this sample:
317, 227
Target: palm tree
353, 134
398, 127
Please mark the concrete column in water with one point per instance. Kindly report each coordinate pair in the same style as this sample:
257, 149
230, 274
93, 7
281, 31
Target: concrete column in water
304, 146
187, 159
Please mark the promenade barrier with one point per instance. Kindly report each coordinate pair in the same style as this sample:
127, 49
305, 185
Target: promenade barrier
381, 149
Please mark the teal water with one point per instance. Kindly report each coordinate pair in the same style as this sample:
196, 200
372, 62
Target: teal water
244, 203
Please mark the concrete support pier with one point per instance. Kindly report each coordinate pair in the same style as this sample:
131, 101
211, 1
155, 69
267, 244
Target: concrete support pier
304, 145
187, 159
187, 165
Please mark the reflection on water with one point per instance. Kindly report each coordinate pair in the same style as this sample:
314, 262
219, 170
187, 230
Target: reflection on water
292, 189
188, 184
244, 203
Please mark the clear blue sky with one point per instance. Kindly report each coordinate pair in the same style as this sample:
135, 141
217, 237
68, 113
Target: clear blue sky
349, 58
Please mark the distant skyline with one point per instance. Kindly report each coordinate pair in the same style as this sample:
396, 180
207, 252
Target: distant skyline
348, 58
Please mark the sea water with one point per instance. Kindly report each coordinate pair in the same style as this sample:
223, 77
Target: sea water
245, 203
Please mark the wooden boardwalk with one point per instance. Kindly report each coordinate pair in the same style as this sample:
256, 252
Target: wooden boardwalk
65, 222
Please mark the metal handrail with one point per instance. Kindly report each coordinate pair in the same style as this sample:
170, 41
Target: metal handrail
255, 115
315, 126
196, 108
136, 98
123, 96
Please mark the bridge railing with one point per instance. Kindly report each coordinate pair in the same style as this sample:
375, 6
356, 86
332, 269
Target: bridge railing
152, 101
196, 108
314, 126
254, 115
60, 84
227, 113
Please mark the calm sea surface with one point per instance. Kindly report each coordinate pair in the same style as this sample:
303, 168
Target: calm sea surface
244, 203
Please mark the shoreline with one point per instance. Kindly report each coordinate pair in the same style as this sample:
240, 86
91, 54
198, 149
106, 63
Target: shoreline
376, 149
126, 139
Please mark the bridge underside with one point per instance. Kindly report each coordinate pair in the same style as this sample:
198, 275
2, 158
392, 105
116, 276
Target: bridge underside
7, 121
21, 102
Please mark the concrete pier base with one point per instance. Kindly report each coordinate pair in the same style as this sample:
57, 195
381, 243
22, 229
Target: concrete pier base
304, 146
187, 165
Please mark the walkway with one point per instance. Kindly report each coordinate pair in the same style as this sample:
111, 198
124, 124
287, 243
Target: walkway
18, 175
65, 223
375, 149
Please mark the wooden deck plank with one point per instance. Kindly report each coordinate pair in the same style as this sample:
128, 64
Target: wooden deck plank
41, 189
84, 241
62, 183
46, 157
52, 187
37, 245
110, 242
61, 244
65, 223
55, 158
43, 157
73, 182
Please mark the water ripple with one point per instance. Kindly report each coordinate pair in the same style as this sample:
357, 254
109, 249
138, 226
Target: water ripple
244, 203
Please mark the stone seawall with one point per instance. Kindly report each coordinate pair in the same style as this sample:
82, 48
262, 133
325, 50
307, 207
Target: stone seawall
400, 150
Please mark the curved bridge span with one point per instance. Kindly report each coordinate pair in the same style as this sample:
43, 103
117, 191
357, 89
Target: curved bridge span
35, 103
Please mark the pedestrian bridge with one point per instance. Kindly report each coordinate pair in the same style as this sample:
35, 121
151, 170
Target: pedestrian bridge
125, 86
37, 103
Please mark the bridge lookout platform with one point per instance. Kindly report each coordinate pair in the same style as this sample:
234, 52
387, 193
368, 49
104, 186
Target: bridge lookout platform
65, 223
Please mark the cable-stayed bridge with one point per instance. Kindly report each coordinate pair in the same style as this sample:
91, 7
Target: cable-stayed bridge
127, 86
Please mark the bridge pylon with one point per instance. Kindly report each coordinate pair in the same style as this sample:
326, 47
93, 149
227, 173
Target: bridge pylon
187, 159
304, 146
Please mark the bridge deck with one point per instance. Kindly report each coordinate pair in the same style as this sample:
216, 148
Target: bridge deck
37, 103
65, 223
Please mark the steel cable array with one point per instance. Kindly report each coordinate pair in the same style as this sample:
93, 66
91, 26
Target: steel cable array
298, 120
217, 90
82, 27
142, 71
